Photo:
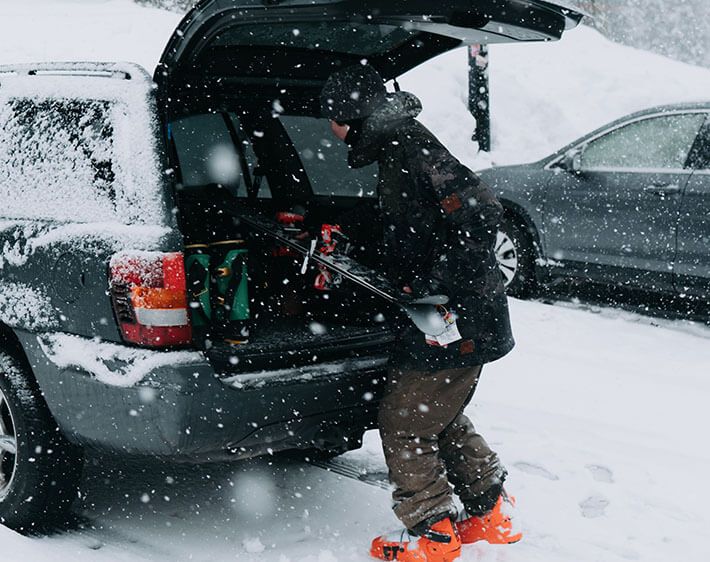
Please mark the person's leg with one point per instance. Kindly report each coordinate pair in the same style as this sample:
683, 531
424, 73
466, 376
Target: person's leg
474, 470
416, 409
477, 475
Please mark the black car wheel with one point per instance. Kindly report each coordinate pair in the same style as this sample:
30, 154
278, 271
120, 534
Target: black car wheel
39, 469
8, 447
516, 254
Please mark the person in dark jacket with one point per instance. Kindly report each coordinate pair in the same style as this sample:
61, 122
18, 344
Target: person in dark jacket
440, 225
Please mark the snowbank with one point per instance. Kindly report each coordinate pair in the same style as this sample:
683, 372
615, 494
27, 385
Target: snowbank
79, 30
544, 96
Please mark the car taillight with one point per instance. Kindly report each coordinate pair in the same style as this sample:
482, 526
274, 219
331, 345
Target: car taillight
149, 296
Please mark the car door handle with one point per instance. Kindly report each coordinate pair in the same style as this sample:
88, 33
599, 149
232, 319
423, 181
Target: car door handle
662, 188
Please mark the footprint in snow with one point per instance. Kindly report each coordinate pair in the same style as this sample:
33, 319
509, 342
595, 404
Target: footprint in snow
601, 473
536, 470
95, 544
594, 506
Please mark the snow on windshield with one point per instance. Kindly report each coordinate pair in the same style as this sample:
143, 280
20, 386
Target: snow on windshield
79, 149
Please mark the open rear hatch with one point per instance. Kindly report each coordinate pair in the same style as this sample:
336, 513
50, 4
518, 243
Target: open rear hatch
235, 65
299, 42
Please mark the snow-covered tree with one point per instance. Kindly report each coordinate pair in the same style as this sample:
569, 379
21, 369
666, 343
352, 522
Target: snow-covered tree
174, 5
679, 29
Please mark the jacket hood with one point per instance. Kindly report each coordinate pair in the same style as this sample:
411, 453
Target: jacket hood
352, 93
396, 109
397, 106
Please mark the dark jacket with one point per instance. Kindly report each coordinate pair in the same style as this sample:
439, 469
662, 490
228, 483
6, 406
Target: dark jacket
440, 226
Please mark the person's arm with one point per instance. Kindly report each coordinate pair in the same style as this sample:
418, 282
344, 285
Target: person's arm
466, 203
472, 214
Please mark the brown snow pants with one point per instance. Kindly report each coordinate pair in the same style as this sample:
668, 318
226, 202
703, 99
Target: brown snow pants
430, 445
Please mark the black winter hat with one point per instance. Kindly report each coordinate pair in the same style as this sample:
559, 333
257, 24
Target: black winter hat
352, 93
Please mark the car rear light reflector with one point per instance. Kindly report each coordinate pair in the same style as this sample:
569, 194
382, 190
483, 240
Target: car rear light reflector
149, 296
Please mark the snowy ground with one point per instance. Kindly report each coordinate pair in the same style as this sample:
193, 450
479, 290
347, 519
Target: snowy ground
600, 417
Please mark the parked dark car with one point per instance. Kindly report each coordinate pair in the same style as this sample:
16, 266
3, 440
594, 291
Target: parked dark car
627, 205
110, 182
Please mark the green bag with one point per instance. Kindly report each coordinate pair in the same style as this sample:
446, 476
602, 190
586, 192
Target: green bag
230, 290
197, 266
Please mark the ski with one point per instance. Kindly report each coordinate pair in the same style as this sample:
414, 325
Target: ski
423, 312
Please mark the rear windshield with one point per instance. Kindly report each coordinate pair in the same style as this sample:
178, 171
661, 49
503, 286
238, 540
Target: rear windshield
57, 160
325, 159
341, 37
298, 151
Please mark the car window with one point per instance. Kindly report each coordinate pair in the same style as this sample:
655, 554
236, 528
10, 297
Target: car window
325, 159
699, 158
654, 143
57, 160
208, 155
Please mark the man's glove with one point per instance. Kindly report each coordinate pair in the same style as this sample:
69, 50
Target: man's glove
333, 238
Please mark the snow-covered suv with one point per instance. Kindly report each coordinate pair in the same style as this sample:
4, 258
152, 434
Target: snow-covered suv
110, 180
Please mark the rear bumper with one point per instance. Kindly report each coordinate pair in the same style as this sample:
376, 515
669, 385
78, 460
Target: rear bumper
186, 411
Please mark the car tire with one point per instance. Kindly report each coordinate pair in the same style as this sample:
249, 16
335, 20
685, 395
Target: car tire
516, 254
40, 470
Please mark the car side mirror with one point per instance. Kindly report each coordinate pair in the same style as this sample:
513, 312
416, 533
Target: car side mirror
572, 161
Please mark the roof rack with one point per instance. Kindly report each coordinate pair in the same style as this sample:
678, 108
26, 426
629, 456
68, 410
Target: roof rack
119, 71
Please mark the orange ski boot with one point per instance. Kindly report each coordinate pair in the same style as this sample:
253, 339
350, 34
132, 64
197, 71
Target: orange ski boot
495, 527
439, 543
